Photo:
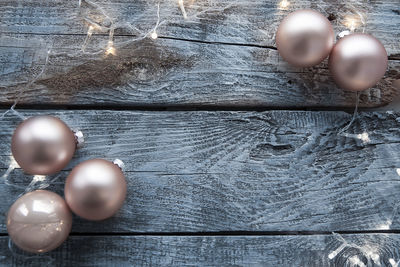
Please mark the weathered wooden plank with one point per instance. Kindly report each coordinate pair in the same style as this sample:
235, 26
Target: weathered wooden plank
240, 21
178, 72
170, 72
316, 250
221, 171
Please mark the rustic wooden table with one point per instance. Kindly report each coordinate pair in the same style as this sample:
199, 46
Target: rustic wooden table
233, 158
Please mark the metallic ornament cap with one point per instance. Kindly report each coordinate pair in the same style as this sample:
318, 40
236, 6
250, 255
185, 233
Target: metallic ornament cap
119, 163
80, 139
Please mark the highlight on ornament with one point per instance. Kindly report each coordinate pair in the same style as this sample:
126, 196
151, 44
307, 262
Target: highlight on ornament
284, 4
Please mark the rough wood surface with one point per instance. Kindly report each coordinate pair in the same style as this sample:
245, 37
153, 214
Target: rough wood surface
238, 22
199, 181
310, 251
199, 69
234, 171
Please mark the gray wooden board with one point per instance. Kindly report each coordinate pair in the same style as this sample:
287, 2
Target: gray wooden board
180, 72
240, 21
236, 171
369, 249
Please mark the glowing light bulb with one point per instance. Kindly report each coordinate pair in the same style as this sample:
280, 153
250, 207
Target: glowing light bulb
284, 4
39, 178
355, 261
352, 25
13, 163
364, 137
393, 262
334, 253
352, 22
343, 34
385, 226
375, 257
154, 35
90, 30
110, 48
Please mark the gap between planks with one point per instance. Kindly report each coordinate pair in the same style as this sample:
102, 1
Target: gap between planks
234, 233
183, 107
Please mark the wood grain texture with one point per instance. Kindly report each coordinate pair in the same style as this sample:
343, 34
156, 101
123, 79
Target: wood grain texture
239, 22
186, 72
192, 173
310, 251
234, 171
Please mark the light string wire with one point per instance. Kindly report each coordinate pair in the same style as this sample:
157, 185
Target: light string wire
13, 164
342, 131
352, 21
109, 50
41, 181
369, 252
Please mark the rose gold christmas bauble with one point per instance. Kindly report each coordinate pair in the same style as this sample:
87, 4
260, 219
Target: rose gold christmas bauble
358, 61
43, 145
39, 221
95, 189
304, 38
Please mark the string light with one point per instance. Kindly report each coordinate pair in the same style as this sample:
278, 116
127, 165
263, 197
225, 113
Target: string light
110, 45
364, 137
284, 4
352, 22
12, 166
375, 257
154, 35
385, 226
90, 31
41, 179
393, 262
343, 34
355, 261
110, 48
88, 35
334, 253
182, 7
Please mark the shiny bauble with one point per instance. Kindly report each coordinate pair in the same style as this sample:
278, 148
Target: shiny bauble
39, 221
358, 61
305, 38
95, 189
43, 145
